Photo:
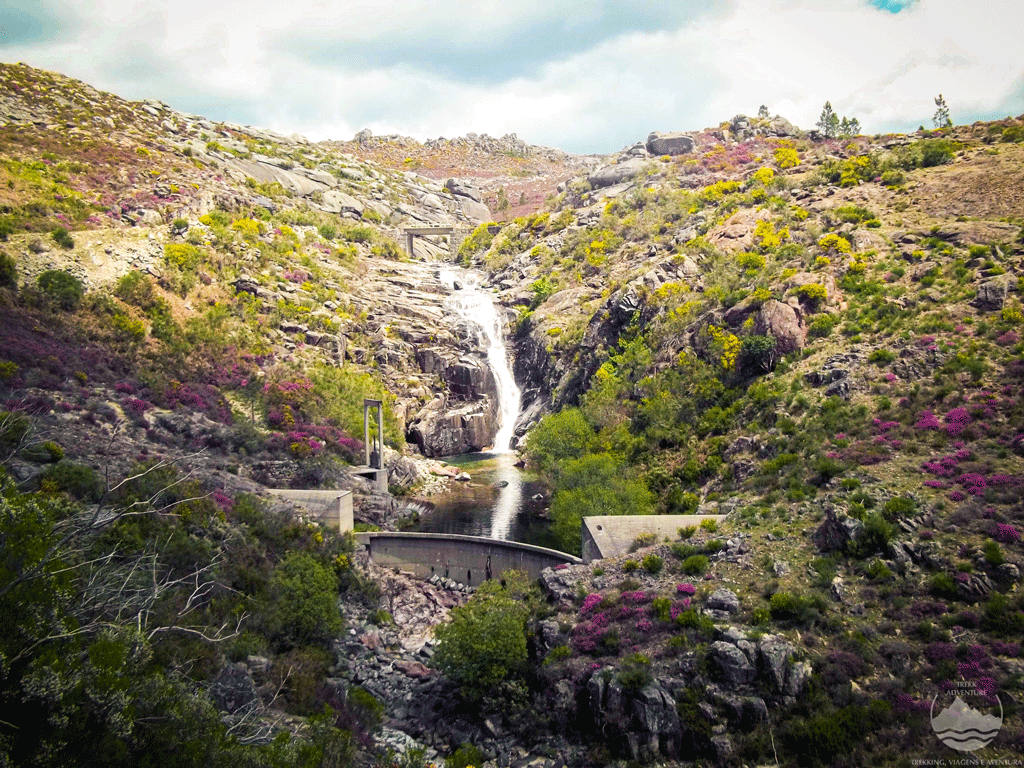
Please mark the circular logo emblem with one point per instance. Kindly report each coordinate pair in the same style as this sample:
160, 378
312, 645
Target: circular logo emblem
964, 728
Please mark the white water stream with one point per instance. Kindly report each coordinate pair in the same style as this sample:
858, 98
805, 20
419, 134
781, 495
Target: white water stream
475, 304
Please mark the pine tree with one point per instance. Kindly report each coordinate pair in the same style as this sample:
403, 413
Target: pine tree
941, 117
828, 123
854, 126
762, 112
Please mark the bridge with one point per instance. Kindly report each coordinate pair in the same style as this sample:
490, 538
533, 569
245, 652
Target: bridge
457, 235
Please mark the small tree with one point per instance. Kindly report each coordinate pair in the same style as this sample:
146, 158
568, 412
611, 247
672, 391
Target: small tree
828, 122
941, 117
305, 601
849, 127
762, 112
484, 642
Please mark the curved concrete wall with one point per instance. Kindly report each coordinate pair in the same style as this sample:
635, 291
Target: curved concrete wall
465, 559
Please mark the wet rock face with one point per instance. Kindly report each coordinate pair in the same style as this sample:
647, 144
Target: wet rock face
469, 428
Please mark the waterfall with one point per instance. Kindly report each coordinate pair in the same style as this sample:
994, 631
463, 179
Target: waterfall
475, 304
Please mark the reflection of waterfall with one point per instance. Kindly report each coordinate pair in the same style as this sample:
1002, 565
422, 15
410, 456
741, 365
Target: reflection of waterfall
475, 304
510, 498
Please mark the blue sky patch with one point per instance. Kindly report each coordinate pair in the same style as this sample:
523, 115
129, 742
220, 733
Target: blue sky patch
893, 6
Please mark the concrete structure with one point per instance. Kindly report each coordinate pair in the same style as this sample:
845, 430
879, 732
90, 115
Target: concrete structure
466, 559
373, 451
412, 232
332, 508
613, 535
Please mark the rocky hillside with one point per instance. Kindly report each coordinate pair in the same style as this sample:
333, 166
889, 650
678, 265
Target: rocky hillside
819, 338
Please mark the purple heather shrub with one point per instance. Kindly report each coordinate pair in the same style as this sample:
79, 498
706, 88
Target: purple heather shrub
625, 611
1007, 339
923, 608
1006, 534
897, 444
637, 597
924, 341
686, 589
959, 416
928, 420
971, 619
904, 402
963, 578
590, 602
926, 535
907, 703
957, 496
1004, 480
137, 406
937, 652
561, 566
972, 480
999, 648
678, 606
222, 500
891, 377
125, 388
644, 625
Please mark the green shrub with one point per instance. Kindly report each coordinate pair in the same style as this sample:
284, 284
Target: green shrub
63, 238
709, 525
898, 506
821, 327
875, 536
61, 287
304, 601
936, 152
878, 571
662, 608
8, 271
558, 653
78, 480
484, 642
695, 565
881, 357
800, 609
466, 756
942, 585
653, 564
635, 672
687, 532
993, 553
630, 566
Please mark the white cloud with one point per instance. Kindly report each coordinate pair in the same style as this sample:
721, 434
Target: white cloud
586, 81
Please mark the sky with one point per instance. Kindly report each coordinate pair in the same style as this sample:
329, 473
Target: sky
586, 76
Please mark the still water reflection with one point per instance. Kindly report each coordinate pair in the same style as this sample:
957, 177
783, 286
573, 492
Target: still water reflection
496, 503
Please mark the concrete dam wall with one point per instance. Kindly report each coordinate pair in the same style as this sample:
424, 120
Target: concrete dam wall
468, 560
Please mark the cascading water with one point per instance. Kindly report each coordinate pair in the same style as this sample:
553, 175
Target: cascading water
474, 304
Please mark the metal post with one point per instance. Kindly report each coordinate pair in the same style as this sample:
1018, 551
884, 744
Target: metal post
366, 431
380, 435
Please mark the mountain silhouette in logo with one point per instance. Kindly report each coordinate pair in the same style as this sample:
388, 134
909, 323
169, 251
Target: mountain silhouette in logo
964, 728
